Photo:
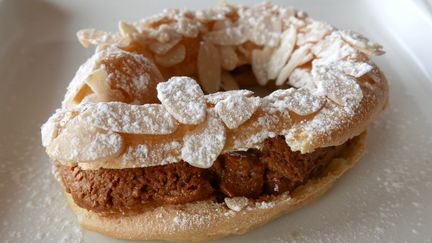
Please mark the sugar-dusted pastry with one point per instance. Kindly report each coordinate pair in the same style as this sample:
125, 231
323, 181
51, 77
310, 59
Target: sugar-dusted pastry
194, 125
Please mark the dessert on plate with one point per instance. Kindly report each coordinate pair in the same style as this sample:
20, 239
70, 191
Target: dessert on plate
194, 125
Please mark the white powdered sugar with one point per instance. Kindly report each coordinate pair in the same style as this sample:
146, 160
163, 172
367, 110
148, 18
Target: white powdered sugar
202, 145
80, 142
236, 109
360, 42
313, 32
337, 86
184, 99
299, 57
219, 96
152, 153
89, 37
174, 56
260, 64
236, 203
299, 101
127, 118
281, 55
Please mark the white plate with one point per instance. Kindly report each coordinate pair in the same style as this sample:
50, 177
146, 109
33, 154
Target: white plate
386, 197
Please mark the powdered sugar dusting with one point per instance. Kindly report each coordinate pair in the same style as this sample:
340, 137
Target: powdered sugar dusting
300, 101
79, 142
203, 144
184, 99
236, 109
126, 118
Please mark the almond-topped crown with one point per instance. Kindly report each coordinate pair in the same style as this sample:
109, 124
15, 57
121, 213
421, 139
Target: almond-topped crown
119, 112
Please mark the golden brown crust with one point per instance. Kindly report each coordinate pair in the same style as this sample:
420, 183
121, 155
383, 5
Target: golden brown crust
207, 220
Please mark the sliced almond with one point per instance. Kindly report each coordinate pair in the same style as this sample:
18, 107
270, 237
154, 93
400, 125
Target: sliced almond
228, 82
281, 55
160, 48
127, 118
126, 29
98, 81
234, 35
82, 143
51, 128
267, 30
362, 43
260, 62
203, 144
133, 74
268, 121
209, 67
313, 32
89, 37
301, 78
174, 56
184, 99
236, 109
152, 153
236, 203
299, 57
337, 86
299, 101
229, 59
187, 27
332, 49
219, 96
355, 69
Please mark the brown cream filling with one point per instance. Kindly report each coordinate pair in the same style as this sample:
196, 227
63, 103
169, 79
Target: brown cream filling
255, 174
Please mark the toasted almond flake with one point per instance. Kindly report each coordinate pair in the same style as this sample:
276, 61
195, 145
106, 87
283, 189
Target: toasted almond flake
164, 33
362, 43
89, 37
260, 62
160, 48
355, 69
214, 98
97, 81
234, 35
203, 144
172, 57
313, 32
133, 74
267, 30
51, 128
127, 118
282, 53
152, 153
236, 203
333, 49
112, 95
300, 78
78, 82
268, 121
184, 99
126, 29
337, 86
299, 101
209, 67
188, 27
236, 109
229, 59
212, 14
299, 57
228, 82
82, 143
